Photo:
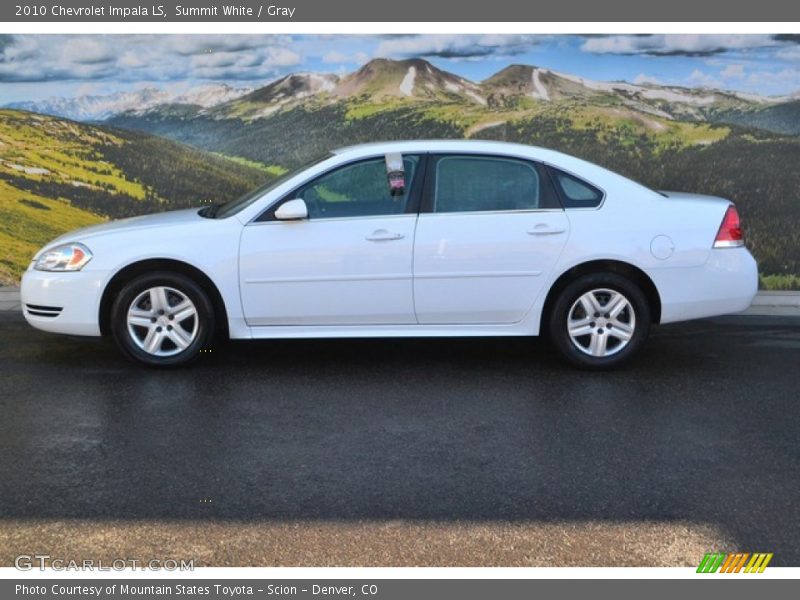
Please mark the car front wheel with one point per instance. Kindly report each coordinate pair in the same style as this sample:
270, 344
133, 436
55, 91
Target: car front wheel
599, 320
162, 319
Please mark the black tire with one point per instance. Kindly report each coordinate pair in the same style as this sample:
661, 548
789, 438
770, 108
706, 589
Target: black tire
568, 304
177, 286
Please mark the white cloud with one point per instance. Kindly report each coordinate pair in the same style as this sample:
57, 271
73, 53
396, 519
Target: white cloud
702, 79
87, 50
131, 60
19, 48
139, 57
455, 46
336, 57
188, 45
642, 79
672, 44
734, 71
791, 53
215, 59
774, 82
280, 57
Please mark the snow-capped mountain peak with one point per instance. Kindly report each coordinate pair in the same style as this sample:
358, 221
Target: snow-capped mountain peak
99, 107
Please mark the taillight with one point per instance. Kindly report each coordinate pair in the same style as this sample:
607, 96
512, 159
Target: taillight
730, 234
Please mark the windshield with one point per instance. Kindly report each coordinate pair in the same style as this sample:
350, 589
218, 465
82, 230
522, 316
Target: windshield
221, 211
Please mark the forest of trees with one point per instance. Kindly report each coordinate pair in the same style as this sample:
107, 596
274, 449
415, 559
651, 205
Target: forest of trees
293, 137
180, 175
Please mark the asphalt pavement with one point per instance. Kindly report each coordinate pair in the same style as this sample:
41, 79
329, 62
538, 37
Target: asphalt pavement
404, 452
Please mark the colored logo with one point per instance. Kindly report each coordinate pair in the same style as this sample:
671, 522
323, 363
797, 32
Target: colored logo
742, 562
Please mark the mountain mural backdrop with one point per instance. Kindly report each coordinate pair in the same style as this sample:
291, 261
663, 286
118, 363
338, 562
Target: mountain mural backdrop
172, 150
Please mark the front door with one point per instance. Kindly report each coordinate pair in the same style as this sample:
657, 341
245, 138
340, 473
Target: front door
349, 263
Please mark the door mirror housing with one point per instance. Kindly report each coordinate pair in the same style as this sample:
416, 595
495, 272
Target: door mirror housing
293, 210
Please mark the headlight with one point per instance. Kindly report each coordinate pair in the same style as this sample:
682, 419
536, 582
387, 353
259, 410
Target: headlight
67, 257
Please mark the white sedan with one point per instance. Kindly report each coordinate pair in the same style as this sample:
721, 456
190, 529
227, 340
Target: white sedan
401, 239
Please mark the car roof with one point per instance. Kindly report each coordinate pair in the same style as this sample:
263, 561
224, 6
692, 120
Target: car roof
484, 146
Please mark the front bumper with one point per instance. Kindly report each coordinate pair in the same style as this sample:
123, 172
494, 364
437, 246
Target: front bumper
63, 302
725, 284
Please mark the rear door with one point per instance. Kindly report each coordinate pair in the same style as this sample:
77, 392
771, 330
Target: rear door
490, 231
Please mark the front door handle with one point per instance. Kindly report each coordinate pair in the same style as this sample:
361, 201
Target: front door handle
545, 229
382, 235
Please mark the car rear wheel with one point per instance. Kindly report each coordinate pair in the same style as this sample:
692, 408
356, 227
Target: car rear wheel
599, 320
162, 319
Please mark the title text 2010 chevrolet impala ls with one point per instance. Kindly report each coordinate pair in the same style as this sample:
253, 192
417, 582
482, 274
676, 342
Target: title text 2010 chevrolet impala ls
426, 238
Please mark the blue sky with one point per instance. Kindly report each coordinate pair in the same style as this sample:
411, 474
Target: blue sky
37, 66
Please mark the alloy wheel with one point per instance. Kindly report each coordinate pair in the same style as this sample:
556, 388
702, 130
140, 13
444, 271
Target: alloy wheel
601, 322
162, 321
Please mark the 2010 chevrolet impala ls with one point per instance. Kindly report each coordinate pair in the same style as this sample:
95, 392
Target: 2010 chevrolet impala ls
395, 239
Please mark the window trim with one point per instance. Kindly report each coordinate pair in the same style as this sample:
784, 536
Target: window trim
412, 204
429, 192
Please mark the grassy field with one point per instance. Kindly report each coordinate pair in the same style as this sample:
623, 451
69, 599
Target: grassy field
38, 149
27, 222
45, 148
273, 170
779, 282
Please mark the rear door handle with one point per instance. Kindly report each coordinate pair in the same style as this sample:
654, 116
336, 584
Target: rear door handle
545, 229
382, 235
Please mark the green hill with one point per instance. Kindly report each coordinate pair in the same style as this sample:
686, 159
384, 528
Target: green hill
57, 175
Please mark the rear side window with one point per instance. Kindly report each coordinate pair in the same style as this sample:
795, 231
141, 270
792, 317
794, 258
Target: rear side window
576, 193
483, 183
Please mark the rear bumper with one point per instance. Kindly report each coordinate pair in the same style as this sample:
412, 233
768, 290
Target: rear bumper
725, 284
63, 302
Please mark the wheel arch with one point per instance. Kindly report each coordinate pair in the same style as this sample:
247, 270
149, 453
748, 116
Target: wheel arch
124, 275
625, 269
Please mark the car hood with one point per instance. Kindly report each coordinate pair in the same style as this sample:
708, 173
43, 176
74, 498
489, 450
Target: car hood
165, 219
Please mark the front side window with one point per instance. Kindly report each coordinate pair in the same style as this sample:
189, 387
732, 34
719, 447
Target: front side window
358, 190
223, 211
482, 183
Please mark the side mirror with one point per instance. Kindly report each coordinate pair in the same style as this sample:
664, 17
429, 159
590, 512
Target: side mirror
293, 210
